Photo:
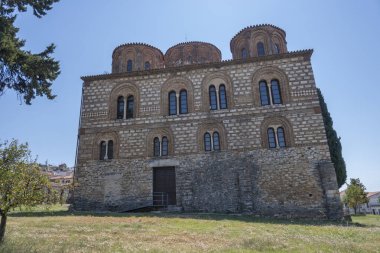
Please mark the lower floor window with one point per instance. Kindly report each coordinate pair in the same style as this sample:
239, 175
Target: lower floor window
276, 137
106, 150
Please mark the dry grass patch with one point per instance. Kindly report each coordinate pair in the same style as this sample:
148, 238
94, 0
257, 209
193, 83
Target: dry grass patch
60, 231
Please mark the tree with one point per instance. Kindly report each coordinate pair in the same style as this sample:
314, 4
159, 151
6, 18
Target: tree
355, 194
28, 74
21, 181
334, 144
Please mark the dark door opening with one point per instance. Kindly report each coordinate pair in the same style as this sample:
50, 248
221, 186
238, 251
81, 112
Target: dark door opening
164, 192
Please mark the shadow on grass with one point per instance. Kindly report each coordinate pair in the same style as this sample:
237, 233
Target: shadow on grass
189, 215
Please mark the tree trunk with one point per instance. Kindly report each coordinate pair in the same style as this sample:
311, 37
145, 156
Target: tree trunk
3, 224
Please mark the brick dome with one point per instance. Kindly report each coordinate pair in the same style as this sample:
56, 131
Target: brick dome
258, 40
192, 53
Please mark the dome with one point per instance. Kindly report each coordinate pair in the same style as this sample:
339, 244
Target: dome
258, 40
136, 56
192, 53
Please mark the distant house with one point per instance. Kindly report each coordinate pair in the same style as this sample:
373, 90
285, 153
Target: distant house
372, 207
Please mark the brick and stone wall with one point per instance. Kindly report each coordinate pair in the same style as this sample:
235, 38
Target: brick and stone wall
245, 176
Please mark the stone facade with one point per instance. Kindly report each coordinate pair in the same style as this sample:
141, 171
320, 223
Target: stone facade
243, 174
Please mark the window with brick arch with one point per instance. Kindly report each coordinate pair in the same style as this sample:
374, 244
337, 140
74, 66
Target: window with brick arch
156, 147
147, 65
130, 106
222, 97
120, 107
276, 137
165, 146
244, 53
129, 65
276, 93
183, 102
213, 99
281, 137
215, 141
110, 149
264, 93
207, 141
103, 149
106, 150
172, 103
260, 49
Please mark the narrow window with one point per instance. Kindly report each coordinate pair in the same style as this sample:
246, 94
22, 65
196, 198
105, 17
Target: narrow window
215, 140
264, 94
129, 65
120, 107
244, 53
110, 150
212, 94
130, 106
183, 102
207, 141
156, 146
103, 147
165, 146
147, 65
271, 138
281, 137
172, 103
276, 93
222, 97
260, 49
276, 48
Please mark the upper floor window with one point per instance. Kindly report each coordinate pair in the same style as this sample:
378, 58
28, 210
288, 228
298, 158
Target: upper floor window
222, 97
130, 107
183, 102
212, 95
276, 48
147, 65
120, 107
161, 147
276, 137
276, 93
129, 65
244, 53
260, 49
172, 103
106, 150
264, 93
274, 96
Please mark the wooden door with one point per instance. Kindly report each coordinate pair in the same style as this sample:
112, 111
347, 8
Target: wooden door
164, 190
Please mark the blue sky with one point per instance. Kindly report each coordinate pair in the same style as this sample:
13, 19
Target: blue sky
344, 34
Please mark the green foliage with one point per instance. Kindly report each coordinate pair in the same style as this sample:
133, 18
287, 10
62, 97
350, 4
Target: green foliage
333, 140
355, 194
28, 74
21, 181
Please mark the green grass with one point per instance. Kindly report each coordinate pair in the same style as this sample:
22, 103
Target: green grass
57, 230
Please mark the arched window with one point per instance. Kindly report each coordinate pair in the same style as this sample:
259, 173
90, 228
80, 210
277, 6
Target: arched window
271, 138
147, 65
129, 65
207, 141
260, 49
264, 93
212, 94
183, 102
281, 137
103, 150
222, 97
244, 53
130, 106
110, 150
276, 93
276, 49
165, 146
172, 103
156, 146
120, 107
215, 140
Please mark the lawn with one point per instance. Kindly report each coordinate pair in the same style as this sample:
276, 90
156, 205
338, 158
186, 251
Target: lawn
57, 230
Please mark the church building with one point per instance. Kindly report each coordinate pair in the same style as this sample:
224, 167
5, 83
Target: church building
188, 131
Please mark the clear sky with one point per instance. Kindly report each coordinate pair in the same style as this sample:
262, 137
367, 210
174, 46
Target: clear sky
344, 34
